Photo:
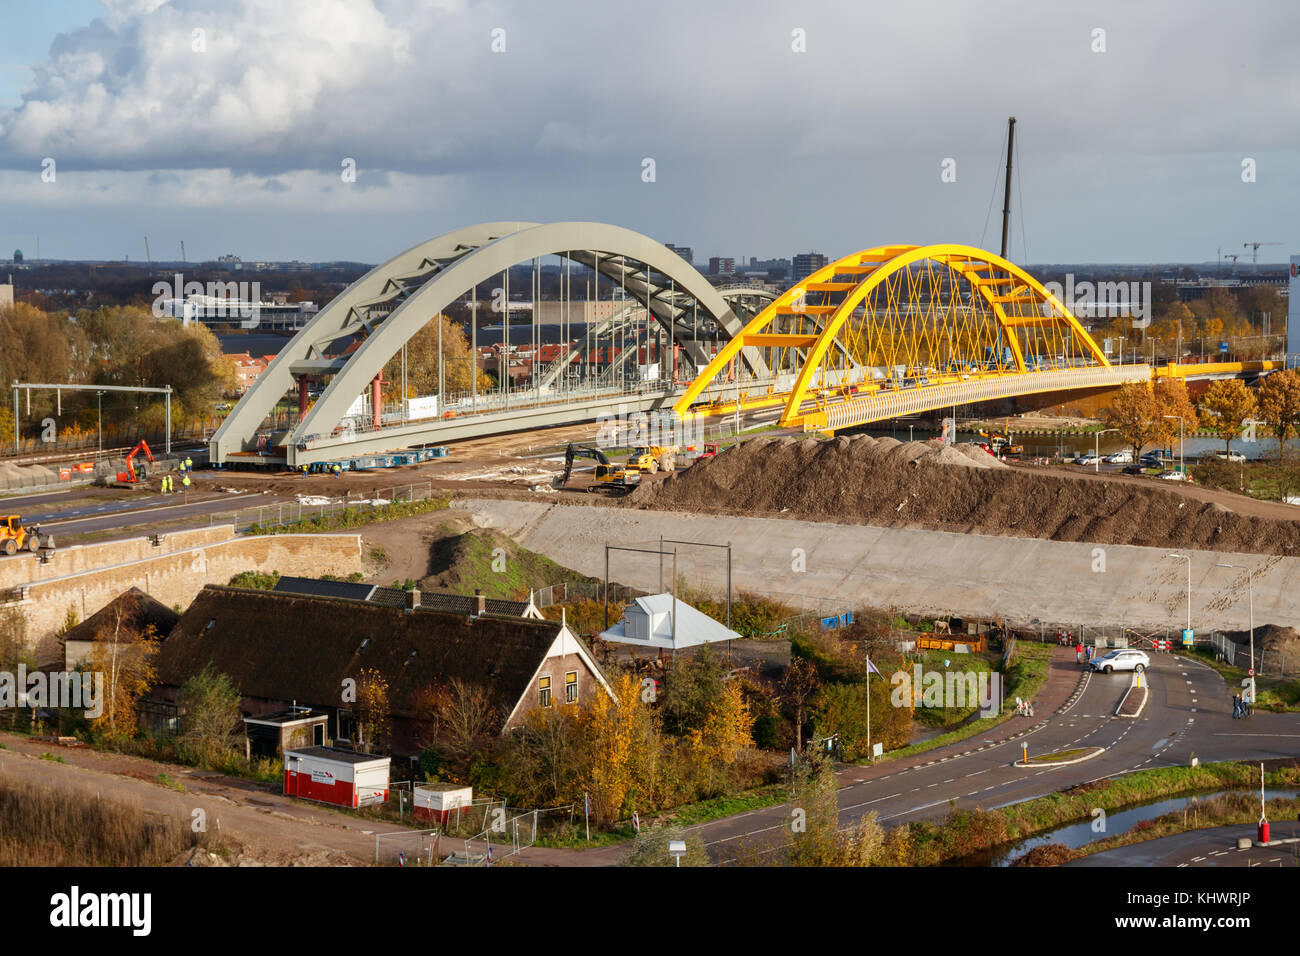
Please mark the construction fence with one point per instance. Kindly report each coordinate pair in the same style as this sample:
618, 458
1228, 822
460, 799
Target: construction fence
309, 508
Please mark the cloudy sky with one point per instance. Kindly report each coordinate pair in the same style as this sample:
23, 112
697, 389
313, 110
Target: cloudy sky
773, 127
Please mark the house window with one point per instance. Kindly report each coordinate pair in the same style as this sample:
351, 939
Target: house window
571, 687
544, 691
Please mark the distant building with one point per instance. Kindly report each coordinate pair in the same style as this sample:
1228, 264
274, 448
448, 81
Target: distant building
273, 316
722, 266
18, 257
6, 295
686, 252
232, 262
248, 369
806, 263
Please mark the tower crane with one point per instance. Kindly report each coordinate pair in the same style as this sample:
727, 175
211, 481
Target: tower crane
1254, 251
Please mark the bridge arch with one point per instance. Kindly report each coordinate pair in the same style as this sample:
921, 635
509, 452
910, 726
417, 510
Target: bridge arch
425, 279
893, 312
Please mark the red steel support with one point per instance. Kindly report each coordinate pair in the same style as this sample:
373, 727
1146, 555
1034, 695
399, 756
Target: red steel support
377, 400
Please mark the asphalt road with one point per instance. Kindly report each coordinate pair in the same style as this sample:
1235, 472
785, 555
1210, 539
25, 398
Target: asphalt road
124, 514
1189, 713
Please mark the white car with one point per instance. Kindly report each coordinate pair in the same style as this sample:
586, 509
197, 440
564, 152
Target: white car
1120, 458
1233, 456
1172, 475
1087, 458
1123, 659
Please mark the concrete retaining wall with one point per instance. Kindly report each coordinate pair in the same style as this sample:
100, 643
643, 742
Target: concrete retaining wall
914, 570
175, 577
26, 568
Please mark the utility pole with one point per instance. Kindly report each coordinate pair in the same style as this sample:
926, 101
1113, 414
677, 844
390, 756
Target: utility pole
1006, 197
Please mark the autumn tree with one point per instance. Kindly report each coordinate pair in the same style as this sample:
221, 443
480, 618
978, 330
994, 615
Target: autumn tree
1279, 404
543, 759
372, 710
622, 747
463, 715
1225, 407
816, 837
1175, 409
459, 365
691, 687
211, 713
1135, 414
798, 685
38, 347
123, 658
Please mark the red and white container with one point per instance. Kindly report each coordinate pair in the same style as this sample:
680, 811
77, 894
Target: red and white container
344, 778
440, 802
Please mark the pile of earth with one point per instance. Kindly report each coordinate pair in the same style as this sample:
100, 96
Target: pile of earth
883, 482
1271, 639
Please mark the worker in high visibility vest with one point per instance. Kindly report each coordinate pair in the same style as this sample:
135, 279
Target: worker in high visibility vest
337, 470
186, 482
189, 463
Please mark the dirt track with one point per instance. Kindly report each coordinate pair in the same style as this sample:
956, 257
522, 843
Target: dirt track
879, 482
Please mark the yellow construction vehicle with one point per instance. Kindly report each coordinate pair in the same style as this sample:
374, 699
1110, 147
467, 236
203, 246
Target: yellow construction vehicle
1000, 445
650, 458
15, 536
609, 477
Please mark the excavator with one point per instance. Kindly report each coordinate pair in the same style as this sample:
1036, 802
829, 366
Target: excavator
609, 476
130, 476
1000, 445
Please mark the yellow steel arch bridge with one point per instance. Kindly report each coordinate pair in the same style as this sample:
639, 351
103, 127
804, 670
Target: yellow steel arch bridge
896, 330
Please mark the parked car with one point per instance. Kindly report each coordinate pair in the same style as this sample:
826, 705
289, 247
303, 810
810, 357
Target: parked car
1150, 461
1119, 458
1172, 475
1137, 469
1124, 659
1087, 458
1233, 456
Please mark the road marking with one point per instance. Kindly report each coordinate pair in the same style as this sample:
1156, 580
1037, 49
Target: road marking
118, 514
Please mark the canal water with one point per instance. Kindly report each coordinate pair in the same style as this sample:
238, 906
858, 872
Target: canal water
1075, 835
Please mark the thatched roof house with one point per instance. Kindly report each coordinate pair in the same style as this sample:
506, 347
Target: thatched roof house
283, 649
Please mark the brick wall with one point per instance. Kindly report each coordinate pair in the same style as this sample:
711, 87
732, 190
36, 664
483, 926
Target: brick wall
26, 568
174, 577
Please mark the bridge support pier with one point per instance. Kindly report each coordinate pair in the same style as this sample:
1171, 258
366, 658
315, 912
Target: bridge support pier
304, 399
377, 400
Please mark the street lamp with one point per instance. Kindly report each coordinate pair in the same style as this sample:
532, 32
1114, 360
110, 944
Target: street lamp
1096, 448
100, 396
1250, 597
1188, 558
1181, 467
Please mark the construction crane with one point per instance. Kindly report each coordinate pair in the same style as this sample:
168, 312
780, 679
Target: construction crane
1254, 251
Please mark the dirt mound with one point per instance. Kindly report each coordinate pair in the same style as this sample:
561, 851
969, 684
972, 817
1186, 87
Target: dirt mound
487, 560
1270, 638
861, 480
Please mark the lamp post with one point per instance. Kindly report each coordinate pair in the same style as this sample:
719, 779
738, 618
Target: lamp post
100, 396
1181, 467
1096, 448
1250, 598
1188, 559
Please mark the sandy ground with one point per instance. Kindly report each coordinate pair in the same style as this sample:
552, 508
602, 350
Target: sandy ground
268, 828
